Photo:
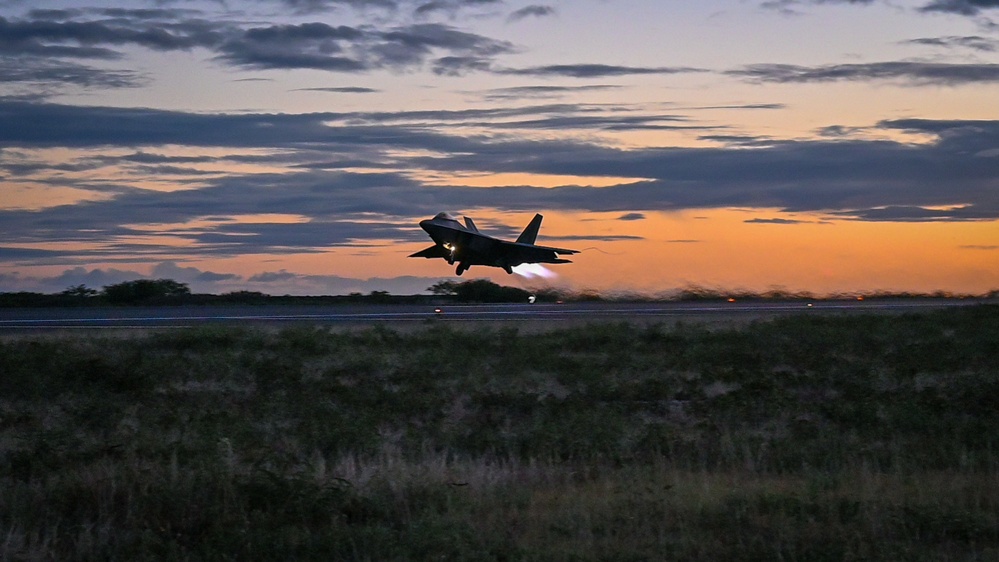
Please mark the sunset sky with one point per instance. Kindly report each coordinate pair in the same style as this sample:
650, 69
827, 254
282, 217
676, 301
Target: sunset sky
292, 146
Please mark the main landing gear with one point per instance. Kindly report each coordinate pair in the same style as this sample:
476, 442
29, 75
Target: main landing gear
462, 268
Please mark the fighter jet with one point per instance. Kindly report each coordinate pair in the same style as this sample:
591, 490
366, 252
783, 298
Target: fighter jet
464, 244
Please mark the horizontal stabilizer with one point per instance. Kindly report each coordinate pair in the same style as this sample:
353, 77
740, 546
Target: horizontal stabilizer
432, 252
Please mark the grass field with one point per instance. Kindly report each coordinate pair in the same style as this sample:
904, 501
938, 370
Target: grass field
802, 438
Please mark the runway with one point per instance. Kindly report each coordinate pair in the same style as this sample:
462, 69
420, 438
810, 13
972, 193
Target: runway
553, 315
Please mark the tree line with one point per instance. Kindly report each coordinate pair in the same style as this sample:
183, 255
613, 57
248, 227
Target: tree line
155, 292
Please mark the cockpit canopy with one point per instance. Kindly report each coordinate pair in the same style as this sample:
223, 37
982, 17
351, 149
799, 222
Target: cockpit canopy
446, 216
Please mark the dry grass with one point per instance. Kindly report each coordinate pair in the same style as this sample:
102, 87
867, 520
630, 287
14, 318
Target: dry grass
861, 437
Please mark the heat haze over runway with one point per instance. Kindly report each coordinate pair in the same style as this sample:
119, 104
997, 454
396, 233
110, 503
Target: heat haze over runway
534, 315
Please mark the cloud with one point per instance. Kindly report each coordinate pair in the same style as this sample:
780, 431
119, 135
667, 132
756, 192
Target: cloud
311, 45
50, 43
273, 276
450, 7
416, 7
596, 237
791, 175
277, 283
774, 221
917, 73
350, 49
460, 66
45, 49
49, 37
170, 270
540, 92
421, 38
787, 7
961, 7
913, 213
631, 217
47, 46
35, 124
49, 125
212, 277
532, 11
601, 122
318, 197
974, 42
764, 106
308, 7
93, 278
340, 90
13, 254
333, 206
590, 70
747, 141
50, 74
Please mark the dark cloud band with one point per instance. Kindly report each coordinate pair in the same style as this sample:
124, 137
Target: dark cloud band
920, 73
850, 179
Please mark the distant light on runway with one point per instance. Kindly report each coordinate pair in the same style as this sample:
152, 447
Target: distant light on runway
534, 270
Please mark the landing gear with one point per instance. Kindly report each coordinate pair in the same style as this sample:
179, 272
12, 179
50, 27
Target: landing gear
462, 268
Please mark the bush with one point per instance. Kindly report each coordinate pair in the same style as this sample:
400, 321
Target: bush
483, 290
144, 290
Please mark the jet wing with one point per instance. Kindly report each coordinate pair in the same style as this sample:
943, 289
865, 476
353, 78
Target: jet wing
516, 252
434, 251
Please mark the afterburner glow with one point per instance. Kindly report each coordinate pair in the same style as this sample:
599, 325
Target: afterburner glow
534, 270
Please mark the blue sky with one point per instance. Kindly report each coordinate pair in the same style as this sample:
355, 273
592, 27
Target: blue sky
291, 146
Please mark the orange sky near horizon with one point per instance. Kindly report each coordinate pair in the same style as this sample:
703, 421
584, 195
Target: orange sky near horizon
719, 249
709, 248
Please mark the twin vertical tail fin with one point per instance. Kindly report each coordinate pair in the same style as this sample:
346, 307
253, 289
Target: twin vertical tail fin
530, 233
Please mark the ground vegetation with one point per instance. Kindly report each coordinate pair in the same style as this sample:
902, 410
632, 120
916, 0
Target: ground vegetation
855, 437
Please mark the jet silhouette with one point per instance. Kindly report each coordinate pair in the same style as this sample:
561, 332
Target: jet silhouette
464, 244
